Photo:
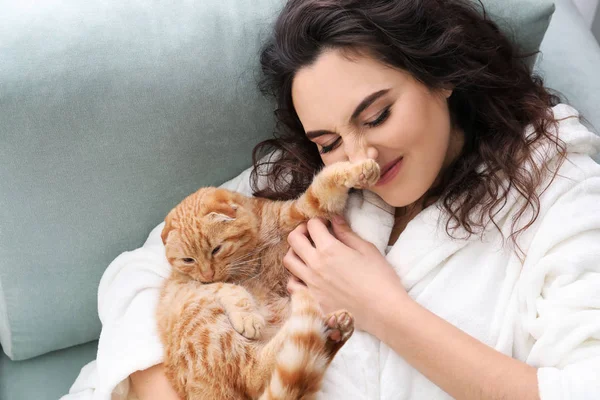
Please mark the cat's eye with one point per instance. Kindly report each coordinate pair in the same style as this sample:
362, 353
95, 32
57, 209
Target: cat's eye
216, 250
188, 260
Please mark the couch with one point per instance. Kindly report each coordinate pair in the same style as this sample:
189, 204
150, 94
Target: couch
112, 112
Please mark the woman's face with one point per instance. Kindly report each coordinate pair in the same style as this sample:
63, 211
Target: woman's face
356, 108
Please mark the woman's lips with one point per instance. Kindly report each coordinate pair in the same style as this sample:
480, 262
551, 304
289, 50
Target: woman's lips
389, 171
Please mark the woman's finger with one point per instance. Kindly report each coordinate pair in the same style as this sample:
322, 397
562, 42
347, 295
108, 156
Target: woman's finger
299, 242
344, 234
294, 284
295, 265
319, 233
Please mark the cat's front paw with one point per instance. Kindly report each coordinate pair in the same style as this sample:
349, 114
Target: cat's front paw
361, 175
369, 175
249, 325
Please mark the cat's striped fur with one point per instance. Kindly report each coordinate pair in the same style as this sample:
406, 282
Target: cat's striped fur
224, 315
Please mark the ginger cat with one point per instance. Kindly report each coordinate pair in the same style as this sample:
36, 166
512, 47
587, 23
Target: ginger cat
224, 316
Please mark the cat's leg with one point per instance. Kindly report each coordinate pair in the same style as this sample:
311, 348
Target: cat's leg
241, 309
328, 193
294, 361
196, 334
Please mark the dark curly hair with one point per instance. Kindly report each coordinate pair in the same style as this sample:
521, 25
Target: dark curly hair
441, 43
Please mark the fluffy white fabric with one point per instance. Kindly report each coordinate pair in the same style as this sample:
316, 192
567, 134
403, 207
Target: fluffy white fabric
543, 308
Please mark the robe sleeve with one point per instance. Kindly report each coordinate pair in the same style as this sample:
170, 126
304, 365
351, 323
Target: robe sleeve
559, 293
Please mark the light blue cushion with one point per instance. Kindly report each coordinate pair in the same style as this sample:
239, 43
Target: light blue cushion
47, 377
112, 112
570, 62
524, 22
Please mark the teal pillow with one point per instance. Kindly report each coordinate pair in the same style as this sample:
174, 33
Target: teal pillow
524, 21
111, 113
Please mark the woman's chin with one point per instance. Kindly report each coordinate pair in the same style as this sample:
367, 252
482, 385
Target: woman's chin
397, 198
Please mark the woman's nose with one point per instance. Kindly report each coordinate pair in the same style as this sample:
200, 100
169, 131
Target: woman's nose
357, 150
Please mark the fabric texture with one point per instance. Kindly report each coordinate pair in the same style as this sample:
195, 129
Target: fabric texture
111, 113
46, 377
523, 22
543, 308
577, 79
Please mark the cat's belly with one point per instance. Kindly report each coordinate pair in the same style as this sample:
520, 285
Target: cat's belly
275, 310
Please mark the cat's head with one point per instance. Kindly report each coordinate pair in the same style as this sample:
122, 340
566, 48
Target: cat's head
211, 236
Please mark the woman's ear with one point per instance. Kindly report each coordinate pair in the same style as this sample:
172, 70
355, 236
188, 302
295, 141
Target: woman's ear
447, 92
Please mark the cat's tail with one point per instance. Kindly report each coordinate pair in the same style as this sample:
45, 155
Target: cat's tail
306, 351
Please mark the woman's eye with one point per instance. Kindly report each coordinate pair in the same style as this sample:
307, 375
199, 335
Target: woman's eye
328, 148
216, 250
188, 260
380, 119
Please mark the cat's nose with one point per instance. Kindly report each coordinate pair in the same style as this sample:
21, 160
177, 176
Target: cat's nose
209, 275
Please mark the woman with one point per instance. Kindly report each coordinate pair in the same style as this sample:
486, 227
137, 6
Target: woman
480, 296
440, 99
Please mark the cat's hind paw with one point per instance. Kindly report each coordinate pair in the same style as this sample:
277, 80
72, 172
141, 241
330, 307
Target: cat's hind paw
339, 326
249, 325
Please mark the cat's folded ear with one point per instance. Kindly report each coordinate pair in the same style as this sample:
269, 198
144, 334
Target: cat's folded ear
167, 228
224, 212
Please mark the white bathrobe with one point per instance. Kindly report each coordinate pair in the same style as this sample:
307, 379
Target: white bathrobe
543, 308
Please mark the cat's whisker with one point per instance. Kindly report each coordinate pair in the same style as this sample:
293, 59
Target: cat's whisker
244, 261
247, 256
252, 277
241, 259
238, 264
252, 253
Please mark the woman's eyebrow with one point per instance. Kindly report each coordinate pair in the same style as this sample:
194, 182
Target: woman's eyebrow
315, 134
367, 101
362, 106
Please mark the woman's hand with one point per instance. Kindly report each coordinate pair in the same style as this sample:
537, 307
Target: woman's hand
343, 271
152, 384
